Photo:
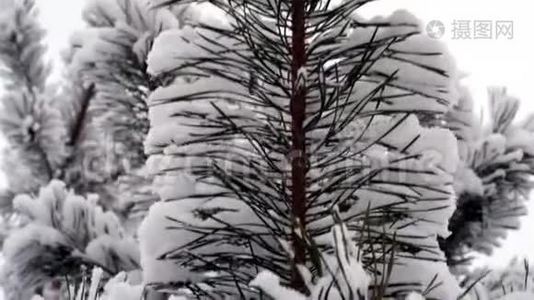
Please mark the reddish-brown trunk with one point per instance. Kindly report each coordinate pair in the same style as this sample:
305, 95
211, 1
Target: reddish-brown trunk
298, 136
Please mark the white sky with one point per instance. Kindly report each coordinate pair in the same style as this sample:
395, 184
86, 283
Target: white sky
488, 62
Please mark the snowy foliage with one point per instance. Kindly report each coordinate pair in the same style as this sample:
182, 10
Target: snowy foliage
220, 146
31, 124
494, 179
276, 158
21, 46
511, 282
111, 54
518, 296
341, 270
64, 232
41, 122
123, 286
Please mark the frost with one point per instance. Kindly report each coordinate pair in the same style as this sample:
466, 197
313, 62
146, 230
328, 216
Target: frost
344, 270
158, 241
518, 296
513, 280
270, 284
119, 288
96, 277
415, 296
218, 147
493, 175
409, 75
65, 231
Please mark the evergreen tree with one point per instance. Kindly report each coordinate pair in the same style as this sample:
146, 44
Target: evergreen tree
287, 149
57, 133
494, 179
65, 232
285, 118
66, 133
80, 132
514, 281
111, 54
30, 123
42, 123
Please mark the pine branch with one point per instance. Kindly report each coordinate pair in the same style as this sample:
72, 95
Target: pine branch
65, 233
241, 104
21, 47
81, 119
31, 124
494, 180
113, 113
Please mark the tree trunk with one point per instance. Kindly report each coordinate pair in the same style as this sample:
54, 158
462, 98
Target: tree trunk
298, 137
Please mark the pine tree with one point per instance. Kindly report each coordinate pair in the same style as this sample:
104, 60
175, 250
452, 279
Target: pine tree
57, 133
102, 95
29, 122
297, 150
284, 119
111, 54
65, 233
493, 181
514, 281
80, 132
42, 123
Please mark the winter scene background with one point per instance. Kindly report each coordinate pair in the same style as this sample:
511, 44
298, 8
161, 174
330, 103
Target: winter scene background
152, 149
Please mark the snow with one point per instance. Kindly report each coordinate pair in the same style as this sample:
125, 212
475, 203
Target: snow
344, 270
16, 243
141, 14
473, 186
408, 68
183, 115
466, 181
518, 296
414, 296
446, 286
503, 282
472, 55
270, 284
120, 288
165, 57
96, 277
156, 240
63, 225
494, 157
